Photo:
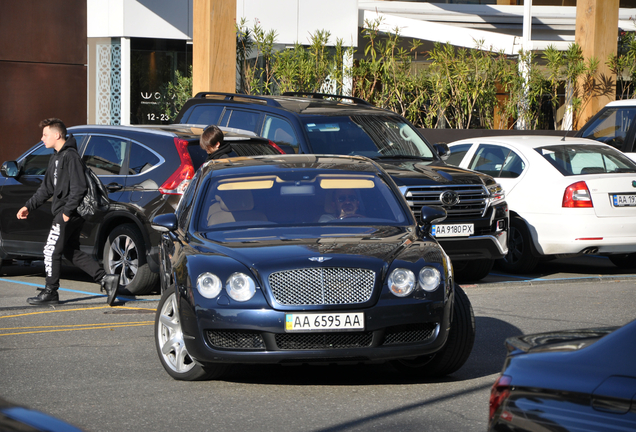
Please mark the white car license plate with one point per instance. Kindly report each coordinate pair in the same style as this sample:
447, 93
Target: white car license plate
307, 322
624, 200
454, 230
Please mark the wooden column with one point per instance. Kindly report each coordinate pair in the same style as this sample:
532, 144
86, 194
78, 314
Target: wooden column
596, 33
214, 46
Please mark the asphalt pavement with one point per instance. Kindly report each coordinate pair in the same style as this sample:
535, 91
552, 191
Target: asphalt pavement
96, 366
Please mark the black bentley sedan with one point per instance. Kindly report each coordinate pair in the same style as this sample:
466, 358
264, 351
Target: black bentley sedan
573, 380
305, 259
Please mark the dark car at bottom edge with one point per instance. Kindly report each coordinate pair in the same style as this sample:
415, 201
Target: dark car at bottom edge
580, 380
305, 259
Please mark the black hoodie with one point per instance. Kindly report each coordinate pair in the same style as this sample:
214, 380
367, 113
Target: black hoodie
223, 151
64, 181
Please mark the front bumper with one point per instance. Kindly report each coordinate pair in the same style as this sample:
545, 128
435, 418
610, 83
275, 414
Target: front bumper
476, 247
258, 335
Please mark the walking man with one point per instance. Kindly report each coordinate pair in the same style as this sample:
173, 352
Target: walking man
65, 182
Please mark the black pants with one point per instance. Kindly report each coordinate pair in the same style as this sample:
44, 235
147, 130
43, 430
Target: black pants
63, 241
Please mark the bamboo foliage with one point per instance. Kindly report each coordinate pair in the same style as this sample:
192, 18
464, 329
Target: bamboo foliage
453, 87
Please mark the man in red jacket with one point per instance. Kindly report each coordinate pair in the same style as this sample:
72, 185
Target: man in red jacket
65, 182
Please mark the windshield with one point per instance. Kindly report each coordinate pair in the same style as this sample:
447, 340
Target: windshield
611, 126
374, 136
586, 159
298, 198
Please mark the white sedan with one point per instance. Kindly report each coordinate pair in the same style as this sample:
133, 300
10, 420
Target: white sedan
566, 196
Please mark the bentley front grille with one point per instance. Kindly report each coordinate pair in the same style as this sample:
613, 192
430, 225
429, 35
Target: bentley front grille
322, 286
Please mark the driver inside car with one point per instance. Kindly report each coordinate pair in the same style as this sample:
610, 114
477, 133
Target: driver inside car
346, 204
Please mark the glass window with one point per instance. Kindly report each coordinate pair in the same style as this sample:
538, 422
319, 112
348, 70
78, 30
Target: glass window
513, 166
299, 198
185, 204
141, 159
377, 136
489, 159
37, 161
457, 153
204, 115
586, 159
238, 119
611, 126
105, 155
280, 131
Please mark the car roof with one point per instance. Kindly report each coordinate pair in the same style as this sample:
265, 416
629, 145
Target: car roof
299, 103
184, 131
622, 102
253, 164
527, 141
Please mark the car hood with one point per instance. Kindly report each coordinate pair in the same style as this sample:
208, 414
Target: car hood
265, 249
412, 173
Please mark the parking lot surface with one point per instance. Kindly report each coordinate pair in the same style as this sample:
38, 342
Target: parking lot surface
96, 366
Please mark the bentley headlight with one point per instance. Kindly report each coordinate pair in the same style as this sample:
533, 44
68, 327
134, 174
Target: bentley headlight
429, 278
401, 282
240, 287
209, 285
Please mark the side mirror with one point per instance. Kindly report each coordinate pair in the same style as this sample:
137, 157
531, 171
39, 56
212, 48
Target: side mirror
430, 215
10, 169
442, 150
165, 222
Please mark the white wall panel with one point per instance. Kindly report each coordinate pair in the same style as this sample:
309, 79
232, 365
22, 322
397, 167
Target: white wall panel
295, 20
168, 19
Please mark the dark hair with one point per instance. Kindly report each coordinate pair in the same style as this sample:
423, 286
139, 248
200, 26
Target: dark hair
56, 125
210, 136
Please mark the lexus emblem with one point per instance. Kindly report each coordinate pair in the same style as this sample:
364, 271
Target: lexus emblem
319, 259
449, 198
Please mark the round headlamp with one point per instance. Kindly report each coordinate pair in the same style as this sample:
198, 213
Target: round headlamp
401, 282
429, 278
209, 285
240, 287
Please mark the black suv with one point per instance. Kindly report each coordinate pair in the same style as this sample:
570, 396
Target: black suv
476, 230
145, 169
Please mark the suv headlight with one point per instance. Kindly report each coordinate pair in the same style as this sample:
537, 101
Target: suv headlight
401, 282
240, 287
495, 193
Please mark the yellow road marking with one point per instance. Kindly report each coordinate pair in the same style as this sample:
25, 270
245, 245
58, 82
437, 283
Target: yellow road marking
72, 310
90, 327
71, 327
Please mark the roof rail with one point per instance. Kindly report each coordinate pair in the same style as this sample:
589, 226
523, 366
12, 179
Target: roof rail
325, 95
238, 97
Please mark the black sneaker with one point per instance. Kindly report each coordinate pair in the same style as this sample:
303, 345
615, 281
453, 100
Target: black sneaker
45, 297
110, 285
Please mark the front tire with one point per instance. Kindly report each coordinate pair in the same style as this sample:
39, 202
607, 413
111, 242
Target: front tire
171, 348
457, 349
125, 255
520, 258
